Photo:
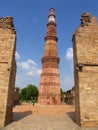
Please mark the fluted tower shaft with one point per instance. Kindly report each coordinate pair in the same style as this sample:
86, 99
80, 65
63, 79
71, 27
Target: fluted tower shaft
49, 90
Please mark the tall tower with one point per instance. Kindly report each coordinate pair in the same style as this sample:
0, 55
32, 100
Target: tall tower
49, 90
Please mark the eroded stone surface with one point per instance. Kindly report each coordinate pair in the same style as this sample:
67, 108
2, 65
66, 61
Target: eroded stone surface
85, 47
7, 69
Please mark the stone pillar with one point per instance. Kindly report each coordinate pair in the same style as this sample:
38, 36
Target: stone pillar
85, 48
7, 69
16, 97
49, 91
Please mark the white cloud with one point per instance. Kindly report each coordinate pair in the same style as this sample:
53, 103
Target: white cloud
26, 65
22, 80
31, 62
30, 67
27, 73
30, 73
23, 65
38, 71
69, 54
34, 71
17, 56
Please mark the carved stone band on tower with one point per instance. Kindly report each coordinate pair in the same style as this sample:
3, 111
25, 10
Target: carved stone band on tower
49, 89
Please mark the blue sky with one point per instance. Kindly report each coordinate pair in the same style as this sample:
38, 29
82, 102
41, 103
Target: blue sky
30, 19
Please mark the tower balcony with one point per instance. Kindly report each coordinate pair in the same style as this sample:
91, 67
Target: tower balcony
50, 59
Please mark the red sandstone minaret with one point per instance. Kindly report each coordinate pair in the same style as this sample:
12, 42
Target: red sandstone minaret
49, 90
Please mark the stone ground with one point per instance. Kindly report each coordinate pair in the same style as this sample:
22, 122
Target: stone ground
39, 117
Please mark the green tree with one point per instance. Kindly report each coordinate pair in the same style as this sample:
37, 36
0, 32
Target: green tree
61, 91
29, 93
32, 92
23, 94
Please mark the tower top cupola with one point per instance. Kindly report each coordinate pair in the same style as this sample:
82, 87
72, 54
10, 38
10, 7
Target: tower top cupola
51, 17
51, 26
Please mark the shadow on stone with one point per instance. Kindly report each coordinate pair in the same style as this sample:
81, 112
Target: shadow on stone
71, 115
19, 115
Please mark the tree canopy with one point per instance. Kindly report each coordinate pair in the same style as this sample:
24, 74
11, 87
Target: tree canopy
29, 93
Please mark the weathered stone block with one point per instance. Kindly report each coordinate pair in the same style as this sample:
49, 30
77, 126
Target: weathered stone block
7, 69
85, 48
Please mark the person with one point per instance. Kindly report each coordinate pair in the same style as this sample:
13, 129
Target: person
33, 101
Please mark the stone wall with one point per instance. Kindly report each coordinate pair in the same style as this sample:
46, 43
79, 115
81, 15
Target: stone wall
16, 97
69, 96
85, 48
7, 69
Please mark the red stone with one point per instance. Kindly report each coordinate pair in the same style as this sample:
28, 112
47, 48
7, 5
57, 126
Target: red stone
49, 90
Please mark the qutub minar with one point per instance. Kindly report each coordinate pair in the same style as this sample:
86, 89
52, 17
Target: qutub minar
49, 90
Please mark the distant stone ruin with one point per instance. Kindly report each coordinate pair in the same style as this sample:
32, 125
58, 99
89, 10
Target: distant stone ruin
69, 96
7, 69
85, 48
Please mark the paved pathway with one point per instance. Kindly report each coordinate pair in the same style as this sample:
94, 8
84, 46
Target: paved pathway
27, 117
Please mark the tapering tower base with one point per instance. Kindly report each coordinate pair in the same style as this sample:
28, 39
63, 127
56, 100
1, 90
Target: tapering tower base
49, 99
